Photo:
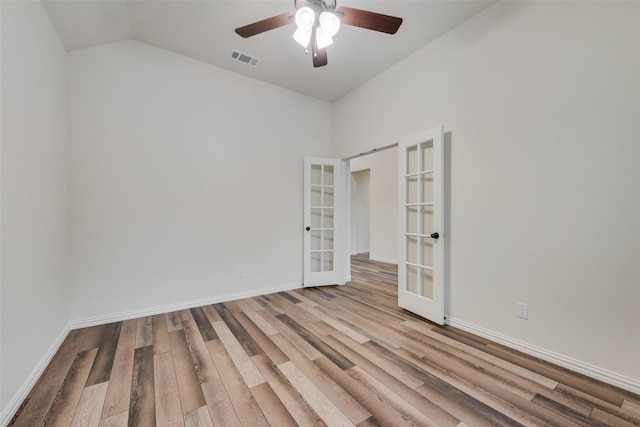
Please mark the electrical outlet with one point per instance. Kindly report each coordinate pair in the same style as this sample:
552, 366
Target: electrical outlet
241, 273
523, 310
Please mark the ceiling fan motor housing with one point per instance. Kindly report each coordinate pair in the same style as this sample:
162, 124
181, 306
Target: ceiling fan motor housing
316, 5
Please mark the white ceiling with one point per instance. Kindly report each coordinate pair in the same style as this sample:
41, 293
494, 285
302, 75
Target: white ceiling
204, 30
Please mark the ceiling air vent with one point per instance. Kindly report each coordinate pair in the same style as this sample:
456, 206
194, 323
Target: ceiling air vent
244, 58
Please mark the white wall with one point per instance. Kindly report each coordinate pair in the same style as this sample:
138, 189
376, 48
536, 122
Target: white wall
34, 281
183, 173
542, 102
360, 211
383, 167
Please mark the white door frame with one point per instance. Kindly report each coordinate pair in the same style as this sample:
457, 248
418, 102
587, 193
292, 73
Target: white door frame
345, 264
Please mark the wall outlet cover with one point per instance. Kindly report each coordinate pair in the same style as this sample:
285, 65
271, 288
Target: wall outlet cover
523, 310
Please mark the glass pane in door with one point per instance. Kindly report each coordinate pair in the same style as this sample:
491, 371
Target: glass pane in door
316, 240
412, 249
412, 279
327, 243
316, 195
426, 251
426, 220
316, 174
328, 217
316, 261
412, 189
316, 217
412, 219
328, 175
412, 160
426, 187
328, 196
426, 283
426, 155
327, 264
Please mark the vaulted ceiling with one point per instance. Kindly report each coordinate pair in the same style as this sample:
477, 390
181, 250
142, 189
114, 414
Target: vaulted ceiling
204, 30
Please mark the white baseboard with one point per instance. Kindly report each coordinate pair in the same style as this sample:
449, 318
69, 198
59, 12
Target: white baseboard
359, 252
134, 314
381, 259
626, 383
12, 407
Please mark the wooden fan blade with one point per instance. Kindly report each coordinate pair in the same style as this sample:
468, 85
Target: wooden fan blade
370, 20
265, 25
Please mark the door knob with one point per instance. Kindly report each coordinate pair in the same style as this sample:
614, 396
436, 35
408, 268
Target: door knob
308, 228
434, 235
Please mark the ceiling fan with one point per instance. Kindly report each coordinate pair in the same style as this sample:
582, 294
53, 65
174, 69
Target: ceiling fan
318, 21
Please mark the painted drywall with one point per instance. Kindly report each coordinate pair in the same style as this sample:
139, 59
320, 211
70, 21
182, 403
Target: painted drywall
34, 285
359, 210
182, 175
541, 100
383, 167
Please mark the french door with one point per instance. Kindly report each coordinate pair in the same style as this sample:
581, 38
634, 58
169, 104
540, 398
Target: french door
322, 221
421, 263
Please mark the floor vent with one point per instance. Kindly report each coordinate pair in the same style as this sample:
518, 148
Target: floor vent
244, 58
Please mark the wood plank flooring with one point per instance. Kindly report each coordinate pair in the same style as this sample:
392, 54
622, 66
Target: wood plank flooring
333, 356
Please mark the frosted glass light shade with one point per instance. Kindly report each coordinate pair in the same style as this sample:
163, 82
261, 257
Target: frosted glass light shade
305, 18
329, 23
323, 39
302, 36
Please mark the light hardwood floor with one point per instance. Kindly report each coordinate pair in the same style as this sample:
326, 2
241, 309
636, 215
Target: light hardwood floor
325, 356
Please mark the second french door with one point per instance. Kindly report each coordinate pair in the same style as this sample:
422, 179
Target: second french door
421, 223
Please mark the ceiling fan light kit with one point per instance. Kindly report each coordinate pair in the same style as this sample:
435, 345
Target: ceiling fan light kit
324, 24
318, 21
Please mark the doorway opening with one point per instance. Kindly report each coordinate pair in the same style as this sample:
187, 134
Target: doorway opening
360, 221
373, 205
